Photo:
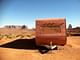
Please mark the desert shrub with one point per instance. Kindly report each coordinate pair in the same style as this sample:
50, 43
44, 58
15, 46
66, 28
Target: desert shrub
9, 36
1, 36
28, 35
13, 35
21, 36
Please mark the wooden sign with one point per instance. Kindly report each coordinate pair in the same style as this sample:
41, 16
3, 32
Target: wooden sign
51, 30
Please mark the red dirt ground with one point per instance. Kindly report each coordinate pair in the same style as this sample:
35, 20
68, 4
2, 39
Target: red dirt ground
71, 51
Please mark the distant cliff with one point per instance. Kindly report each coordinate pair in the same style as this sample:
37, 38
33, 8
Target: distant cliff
74, 31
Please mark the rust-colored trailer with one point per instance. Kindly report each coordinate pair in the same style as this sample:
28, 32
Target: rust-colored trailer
51, 31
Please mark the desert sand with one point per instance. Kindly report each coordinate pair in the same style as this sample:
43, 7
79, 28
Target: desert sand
71, 51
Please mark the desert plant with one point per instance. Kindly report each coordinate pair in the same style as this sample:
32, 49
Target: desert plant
1, 36
21, 36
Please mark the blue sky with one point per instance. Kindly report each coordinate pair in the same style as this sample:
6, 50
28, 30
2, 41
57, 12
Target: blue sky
25, 12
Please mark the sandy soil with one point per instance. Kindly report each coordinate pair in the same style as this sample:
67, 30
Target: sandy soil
71, 51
